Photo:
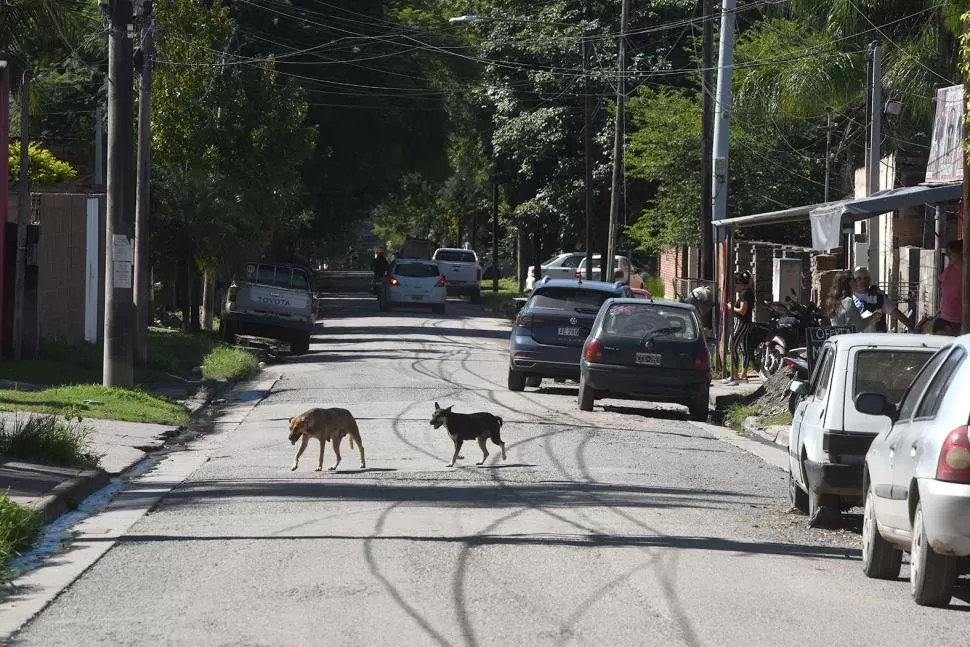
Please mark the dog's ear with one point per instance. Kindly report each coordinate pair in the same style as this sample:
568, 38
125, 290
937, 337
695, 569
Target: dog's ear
436, 407
450, 408
291, 420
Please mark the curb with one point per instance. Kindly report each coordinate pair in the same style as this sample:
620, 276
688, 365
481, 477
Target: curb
775, 434
68, 495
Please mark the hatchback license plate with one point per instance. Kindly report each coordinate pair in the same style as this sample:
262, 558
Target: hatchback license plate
649, 359
416, 298
568, 332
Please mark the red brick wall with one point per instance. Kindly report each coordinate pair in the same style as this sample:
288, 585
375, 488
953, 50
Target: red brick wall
61, 266
673, 265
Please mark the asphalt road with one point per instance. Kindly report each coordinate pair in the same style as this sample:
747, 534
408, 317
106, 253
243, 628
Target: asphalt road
626, 525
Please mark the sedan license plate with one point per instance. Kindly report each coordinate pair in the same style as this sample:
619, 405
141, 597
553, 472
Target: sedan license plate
649, 359
568, 332
416, 298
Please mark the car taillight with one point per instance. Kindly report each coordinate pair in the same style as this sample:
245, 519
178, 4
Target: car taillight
579, 274
789, 362
702, 362
594, 350
532, 272
954, 462
524, 320
441, 282
393, 280
232, 292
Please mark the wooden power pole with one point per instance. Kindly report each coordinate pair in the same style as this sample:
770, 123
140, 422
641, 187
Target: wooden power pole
144, 61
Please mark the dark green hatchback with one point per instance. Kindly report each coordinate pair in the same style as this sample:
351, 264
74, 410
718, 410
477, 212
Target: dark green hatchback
646, 350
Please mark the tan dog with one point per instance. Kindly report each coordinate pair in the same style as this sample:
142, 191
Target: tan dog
324, 425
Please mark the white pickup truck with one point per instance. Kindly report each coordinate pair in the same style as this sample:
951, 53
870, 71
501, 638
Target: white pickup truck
461, 270
275, 300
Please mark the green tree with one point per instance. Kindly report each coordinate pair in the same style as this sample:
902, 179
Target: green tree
42, 166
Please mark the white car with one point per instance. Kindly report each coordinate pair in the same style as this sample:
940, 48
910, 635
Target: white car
829, 435
917, 478
413, 283
623, 271
561, 266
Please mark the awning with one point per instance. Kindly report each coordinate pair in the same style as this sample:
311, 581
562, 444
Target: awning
828, 219
770, 218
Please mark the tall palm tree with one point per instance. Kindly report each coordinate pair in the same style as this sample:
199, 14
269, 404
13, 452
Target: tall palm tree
30, 26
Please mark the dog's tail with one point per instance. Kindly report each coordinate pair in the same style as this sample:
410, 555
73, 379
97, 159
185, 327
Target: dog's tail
499, 422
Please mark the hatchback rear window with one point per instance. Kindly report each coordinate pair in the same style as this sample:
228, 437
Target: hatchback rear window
417, 270
636, 320
888, 372
456, 256
569, 298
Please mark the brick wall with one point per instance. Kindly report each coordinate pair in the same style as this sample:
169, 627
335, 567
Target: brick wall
673, 265
61, 260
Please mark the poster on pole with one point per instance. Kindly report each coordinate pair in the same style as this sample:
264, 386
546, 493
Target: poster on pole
816, 338
945, 163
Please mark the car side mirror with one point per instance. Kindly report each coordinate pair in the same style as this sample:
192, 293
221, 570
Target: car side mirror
875, 404
799, 387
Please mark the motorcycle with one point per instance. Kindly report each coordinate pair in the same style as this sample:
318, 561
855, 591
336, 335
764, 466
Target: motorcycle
799, 368
789, 323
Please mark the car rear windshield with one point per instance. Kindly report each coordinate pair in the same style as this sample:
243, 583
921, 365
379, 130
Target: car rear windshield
417, 270
456, 256
569, 298
888, 372
278, 276
657, 322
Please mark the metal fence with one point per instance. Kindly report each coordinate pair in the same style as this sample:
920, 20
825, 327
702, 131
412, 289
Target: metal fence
684, 286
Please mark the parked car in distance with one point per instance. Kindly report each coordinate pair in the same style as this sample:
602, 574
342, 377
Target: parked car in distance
561, 266
917, 478
623, 270
647, 350
829, 435
273, 300
413, 283
461, 270
549, 331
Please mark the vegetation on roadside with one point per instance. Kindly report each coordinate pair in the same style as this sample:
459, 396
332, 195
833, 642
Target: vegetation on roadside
499, 302
95, 401
19, 526
172, 356
738, 413
225, 363
48, 440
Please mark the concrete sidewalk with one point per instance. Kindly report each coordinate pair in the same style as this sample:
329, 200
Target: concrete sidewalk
52, 491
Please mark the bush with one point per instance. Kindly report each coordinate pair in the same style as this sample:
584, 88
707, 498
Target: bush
655, 286
18, 530
225, 363
48, 440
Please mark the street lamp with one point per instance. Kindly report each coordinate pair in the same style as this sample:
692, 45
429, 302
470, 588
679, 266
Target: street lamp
587, 135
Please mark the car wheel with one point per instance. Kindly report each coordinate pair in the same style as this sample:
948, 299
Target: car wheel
533, 381
476, 296
516, 380
880, 559
797, 496
700, 407
384, 305
438, 310
586, 396
300, 345
228, 332
931, 575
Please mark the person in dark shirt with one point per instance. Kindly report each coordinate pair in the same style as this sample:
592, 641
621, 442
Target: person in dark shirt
742, 309
379, 265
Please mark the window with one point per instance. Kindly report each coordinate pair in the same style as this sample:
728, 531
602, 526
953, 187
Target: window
573, 261
657, 322
908, 406
456, 256
417, 270
888, 372
823, 374
568, 298
930, 405
299, 280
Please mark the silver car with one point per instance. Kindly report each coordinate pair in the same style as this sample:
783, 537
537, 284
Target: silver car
917, 478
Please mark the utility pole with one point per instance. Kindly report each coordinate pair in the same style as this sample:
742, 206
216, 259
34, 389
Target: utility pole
874, 158
144, 61
4, 188
707, 143
588, 143
495, 229
99, 147
119, 312
23, 217
966, 201
828, 155
722, 138
617, 188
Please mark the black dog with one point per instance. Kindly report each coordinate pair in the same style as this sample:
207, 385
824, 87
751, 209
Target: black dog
469, 426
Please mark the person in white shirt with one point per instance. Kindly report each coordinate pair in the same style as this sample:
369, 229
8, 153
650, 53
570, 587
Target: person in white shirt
873, 304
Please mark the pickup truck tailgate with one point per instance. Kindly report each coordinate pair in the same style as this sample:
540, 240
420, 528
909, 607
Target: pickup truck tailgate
264, 298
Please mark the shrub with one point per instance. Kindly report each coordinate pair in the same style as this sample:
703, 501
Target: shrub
225, 363
62, 442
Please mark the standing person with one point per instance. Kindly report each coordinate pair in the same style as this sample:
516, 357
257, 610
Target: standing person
742, 308
379, 265
840, 306
950, 318
872, 303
